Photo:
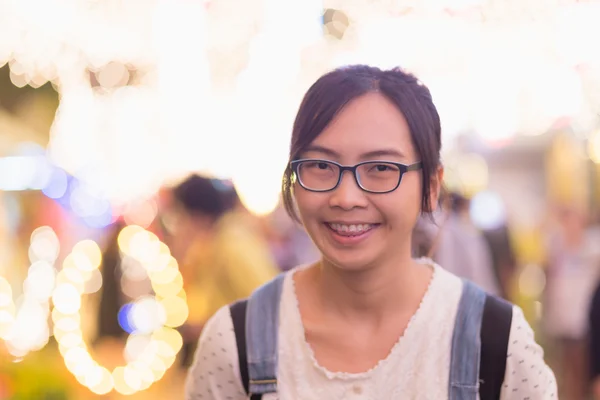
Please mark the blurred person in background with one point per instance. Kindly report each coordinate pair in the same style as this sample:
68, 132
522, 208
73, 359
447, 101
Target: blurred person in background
222, 257
461, 247
504, 260
572, 274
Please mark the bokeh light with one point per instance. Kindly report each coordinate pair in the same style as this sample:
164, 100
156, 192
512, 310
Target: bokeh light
532, 281
24, 322
487, 210
152, 344
594, 146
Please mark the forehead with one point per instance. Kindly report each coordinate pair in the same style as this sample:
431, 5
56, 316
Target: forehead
365, 125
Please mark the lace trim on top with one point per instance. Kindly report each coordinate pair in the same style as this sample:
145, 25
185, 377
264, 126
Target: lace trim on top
408, 331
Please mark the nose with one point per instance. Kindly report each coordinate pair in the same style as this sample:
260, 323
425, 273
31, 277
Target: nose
348, 195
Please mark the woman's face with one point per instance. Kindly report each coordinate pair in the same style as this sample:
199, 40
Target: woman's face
352, 228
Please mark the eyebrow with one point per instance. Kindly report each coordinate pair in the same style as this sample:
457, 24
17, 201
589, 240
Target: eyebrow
383, 153
369, 154
322, 150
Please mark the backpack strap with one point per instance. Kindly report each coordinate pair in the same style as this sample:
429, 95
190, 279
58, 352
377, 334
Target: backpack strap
256, 326
238, 316
495, 332
479, 345
466, 344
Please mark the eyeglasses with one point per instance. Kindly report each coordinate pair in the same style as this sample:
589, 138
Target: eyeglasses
371, 176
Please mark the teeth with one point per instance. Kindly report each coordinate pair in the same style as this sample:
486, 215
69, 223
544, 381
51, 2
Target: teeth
351, 228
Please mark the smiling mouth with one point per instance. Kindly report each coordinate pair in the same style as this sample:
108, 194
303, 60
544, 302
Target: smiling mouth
350, 229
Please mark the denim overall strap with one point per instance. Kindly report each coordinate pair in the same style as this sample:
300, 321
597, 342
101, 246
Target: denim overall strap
466, 344
262, 329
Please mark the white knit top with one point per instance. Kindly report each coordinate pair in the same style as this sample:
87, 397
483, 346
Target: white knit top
417, 367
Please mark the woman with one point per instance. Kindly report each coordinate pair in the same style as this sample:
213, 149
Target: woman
366, 320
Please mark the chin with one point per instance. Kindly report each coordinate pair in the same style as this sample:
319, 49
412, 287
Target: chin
349, 262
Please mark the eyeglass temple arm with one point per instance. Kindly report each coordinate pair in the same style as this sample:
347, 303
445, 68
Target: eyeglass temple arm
415, 166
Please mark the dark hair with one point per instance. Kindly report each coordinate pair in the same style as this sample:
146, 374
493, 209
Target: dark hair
200, 195
334, 90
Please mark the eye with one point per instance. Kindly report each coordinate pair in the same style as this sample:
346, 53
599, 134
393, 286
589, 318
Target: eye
320, 165
383, 168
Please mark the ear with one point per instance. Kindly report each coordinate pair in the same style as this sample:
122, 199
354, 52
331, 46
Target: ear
435, 188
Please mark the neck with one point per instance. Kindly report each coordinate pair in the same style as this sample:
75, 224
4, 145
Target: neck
372, 293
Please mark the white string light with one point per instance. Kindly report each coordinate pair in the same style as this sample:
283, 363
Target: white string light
179, 70
153, 346
24, 323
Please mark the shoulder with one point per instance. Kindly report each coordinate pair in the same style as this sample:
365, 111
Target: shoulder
444, 278
215, 370
527, 374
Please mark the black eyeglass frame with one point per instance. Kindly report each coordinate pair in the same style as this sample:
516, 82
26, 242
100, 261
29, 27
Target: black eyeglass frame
403, 168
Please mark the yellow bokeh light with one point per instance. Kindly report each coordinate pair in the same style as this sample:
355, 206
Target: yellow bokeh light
132, 377
90, 251
67, 323
167, 274
121, 384
594, 146
171, 337
158, 367
60, 334
169, 360
143, 371
78, 360
259, 201
69, 262
165, 352
74, 276
126, 235
72, 339
467, 174
137, 345
148, 356
161, 262
66, 298
144, 247
24, 326
44, 245
170, 288
57, 316
82, 262
105, 385
176, 309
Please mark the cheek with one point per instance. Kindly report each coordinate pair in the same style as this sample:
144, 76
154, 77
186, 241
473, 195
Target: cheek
403, 206
309, 207
307, 203
304, 207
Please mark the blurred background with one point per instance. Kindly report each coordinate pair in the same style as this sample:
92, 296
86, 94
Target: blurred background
142, 145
